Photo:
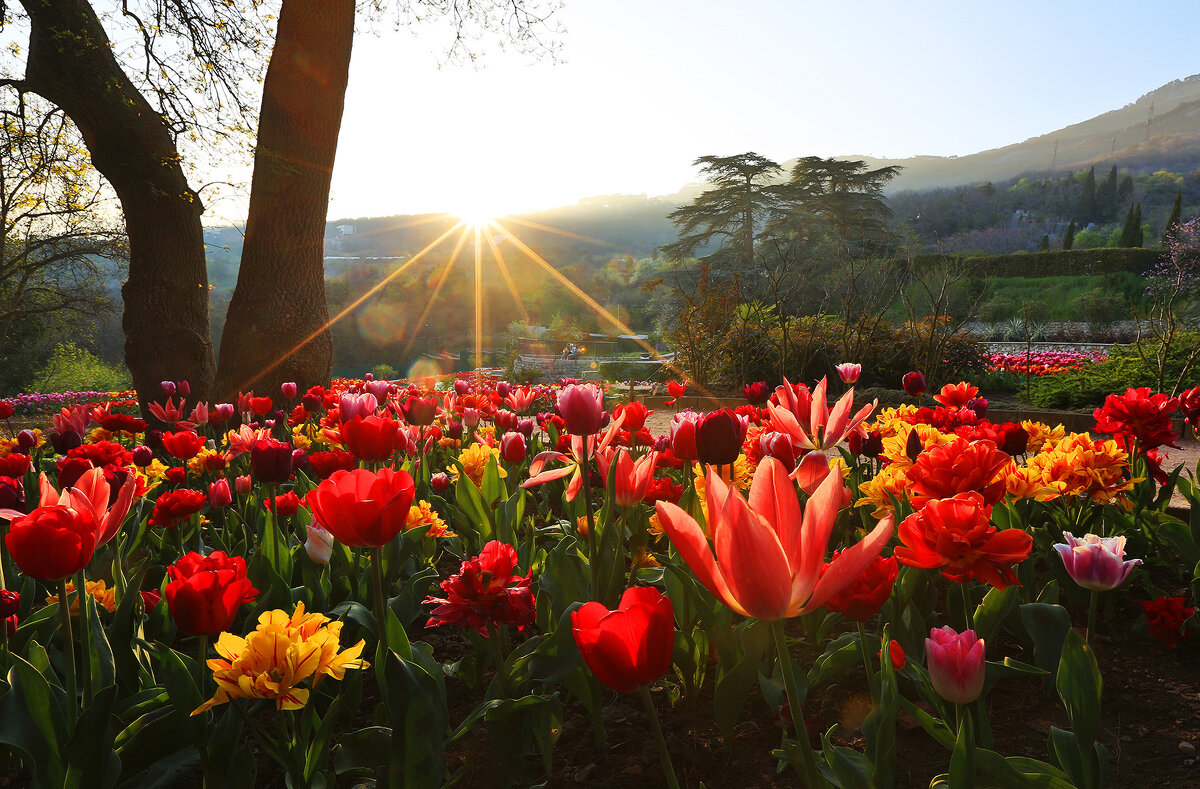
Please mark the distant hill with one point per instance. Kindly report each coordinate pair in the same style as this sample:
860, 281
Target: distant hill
1159, 130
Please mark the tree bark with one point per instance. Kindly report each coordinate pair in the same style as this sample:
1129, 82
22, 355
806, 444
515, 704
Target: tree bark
71, 64
277, 328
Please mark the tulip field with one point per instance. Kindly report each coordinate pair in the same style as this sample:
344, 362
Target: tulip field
472, 582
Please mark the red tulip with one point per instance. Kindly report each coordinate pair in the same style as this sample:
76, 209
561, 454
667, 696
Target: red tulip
913, 383
719, 437
486, 592
676, 389
184, 445
6, 409
271, 460
419, 411
632, 477
219, 494
363, 508
175, 506
512, 447
260, 405
372, 438
862, 598
324, 464
204, 593
756, 393
628, 647
809, 420
683, 435
52, 542
635, 414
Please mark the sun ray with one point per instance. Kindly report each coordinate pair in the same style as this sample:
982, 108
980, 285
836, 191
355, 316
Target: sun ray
595, 306
437, 289
565, 233
508, 280
350, 307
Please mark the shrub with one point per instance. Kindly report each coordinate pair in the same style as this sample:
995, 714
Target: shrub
72, 368
1088, 386
384, 372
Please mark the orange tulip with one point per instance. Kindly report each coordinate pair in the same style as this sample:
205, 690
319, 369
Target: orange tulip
767, 554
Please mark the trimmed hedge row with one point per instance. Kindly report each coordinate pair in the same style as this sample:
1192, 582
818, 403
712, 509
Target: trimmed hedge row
1056, 262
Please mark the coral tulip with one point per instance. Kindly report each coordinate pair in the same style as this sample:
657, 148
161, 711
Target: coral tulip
630, 646
956, 664
768, 553
807, 418
1096, 563
363, 508
632, 477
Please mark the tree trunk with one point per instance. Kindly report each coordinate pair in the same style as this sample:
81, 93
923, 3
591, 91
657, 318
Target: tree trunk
166, 296
277, 328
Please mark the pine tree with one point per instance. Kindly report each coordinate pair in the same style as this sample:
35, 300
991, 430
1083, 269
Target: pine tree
1045, 245
1106, 197
1087, 200
1173, 220
1069, 236
1139, 238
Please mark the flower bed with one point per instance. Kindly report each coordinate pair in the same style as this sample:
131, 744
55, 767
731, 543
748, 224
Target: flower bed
386, 578
1042, 362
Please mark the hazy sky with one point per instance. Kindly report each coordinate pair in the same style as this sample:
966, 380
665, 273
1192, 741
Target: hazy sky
646, 86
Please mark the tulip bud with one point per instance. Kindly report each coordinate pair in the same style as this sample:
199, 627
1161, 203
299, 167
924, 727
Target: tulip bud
10, 603
288, 389
312, 403
956, 664
154, 439
454, 431
525, 427
271, 460
756, 393
912, 447
243, 485
168, 388
913, 383
461, 387
319, 545
470, 418
1016, 441
379, 389
979, 405
184, 388
6, 409
225, 411
896, 654
512, 447
142, 456
65, 441
779, 446
440, 481
503, 388
219, 494
26, 439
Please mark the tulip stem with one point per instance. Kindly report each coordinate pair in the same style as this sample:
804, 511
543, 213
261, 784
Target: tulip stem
966, 606
663, 754
64, 610
380, 606
201, 662
585, 472
872, 681
812, 776
85, 633
1093, 607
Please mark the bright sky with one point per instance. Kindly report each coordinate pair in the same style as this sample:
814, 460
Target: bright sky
647, 86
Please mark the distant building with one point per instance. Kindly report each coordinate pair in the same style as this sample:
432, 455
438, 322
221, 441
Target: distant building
345, 230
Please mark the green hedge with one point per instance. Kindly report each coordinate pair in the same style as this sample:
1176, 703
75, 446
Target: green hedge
1056, 262
1087, 386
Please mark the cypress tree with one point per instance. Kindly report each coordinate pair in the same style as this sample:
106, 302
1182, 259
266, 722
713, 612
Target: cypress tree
1087, 200
1126, 239
1045, 245
1173, 220
1124, 191
1138, 234
1069, 236
1106, 197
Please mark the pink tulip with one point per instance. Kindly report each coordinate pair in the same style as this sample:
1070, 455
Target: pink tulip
319, 545
243, 485
582, 407
288, 389
848, 372
1096, 563
767, 554
807, 418
219, 494
956, 665
352, 405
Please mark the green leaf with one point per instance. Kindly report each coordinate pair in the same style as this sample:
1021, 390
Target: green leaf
851, 768
962, 758
92, 762
1047, 626
416, 702
31, 719
879, 729
470, 501
100, 652
841, 654
1080, 686
363, 750
993, 610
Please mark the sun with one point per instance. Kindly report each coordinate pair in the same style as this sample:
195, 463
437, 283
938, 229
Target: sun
478, 212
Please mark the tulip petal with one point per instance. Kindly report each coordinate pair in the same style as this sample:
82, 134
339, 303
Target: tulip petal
849, 564
808, 551
688, 538
773, 496
752, 560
